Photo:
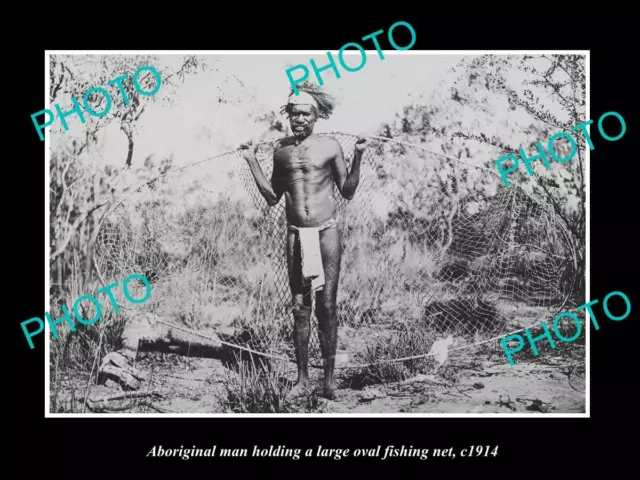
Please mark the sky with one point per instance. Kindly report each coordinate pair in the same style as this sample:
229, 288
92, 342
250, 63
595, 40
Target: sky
214, 111
197, 125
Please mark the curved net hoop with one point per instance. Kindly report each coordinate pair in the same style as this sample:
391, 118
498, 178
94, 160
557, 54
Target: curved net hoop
427, 240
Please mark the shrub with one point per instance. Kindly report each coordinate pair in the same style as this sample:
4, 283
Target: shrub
409, 340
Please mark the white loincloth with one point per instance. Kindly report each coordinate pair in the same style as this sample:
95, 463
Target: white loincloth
312, 267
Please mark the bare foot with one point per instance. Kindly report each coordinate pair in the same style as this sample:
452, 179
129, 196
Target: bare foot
330, 393
300, 389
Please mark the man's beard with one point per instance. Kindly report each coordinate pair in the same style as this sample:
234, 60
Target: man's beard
304, 131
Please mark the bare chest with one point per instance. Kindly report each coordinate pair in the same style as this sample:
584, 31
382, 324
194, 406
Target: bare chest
303, 158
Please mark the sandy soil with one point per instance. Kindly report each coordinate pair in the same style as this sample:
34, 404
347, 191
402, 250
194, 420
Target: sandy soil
479, 381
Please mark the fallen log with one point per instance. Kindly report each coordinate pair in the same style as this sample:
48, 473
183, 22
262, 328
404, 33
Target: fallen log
148, 332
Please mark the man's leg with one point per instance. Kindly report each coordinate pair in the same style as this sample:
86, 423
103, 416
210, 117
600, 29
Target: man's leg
301, 313
331, 250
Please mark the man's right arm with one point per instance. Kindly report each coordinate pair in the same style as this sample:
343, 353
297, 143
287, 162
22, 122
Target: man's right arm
271, 190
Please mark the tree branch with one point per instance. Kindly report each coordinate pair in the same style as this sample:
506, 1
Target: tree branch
557, 208
541, 114
482, 138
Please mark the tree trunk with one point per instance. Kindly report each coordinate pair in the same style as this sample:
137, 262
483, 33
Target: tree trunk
59, 279
93, 228
129, 134
82, 247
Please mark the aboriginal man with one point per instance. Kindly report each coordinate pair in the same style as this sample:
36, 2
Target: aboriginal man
305, 169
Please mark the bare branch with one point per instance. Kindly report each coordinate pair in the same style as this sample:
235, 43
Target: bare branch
482, 138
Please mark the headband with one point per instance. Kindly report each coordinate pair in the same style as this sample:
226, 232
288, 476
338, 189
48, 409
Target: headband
303, 99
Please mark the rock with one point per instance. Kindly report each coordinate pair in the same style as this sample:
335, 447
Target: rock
478, 385
538, 406
117, 367
370, 394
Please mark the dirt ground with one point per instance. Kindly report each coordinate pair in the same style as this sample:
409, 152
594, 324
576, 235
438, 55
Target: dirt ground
477, 380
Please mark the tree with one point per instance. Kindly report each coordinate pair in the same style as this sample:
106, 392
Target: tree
508, 102
547, 84
79, 189
551, 91
72, 76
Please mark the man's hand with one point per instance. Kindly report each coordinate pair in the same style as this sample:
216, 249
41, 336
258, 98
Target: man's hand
248, 150
361, 144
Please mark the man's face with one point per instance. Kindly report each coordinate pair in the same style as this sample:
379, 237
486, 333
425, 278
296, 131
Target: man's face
302, 120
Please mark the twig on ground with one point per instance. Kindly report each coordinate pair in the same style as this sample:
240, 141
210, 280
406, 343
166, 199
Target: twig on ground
453, 394
156, 408
130, 395
188, 379
407, 395
105, 408
103, 404
524, 400
458, 388
508, 403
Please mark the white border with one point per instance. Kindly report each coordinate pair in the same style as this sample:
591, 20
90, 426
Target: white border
47, 405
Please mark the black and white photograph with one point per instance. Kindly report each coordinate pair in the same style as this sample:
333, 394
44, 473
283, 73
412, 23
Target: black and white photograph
230, 240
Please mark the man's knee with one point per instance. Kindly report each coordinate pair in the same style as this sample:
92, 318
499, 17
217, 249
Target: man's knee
327, 308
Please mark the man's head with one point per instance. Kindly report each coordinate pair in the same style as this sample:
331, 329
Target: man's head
305, 108
303, 114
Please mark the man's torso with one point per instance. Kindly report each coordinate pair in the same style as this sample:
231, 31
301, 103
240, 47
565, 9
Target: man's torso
307, 179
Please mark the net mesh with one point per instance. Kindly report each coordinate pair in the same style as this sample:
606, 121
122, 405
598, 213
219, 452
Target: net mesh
426, 239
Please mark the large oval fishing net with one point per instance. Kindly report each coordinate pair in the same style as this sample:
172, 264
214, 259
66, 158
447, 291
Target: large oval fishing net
430, 244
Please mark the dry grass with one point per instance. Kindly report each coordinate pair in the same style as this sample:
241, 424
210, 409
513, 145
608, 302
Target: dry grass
253, 385
407, 341
464, 316
574, 350
77, 354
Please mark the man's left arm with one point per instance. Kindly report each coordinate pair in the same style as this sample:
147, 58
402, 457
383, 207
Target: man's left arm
348, 183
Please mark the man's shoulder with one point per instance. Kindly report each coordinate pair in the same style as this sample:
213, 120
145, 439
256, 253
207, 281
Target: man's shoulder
330, 142
282, 142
